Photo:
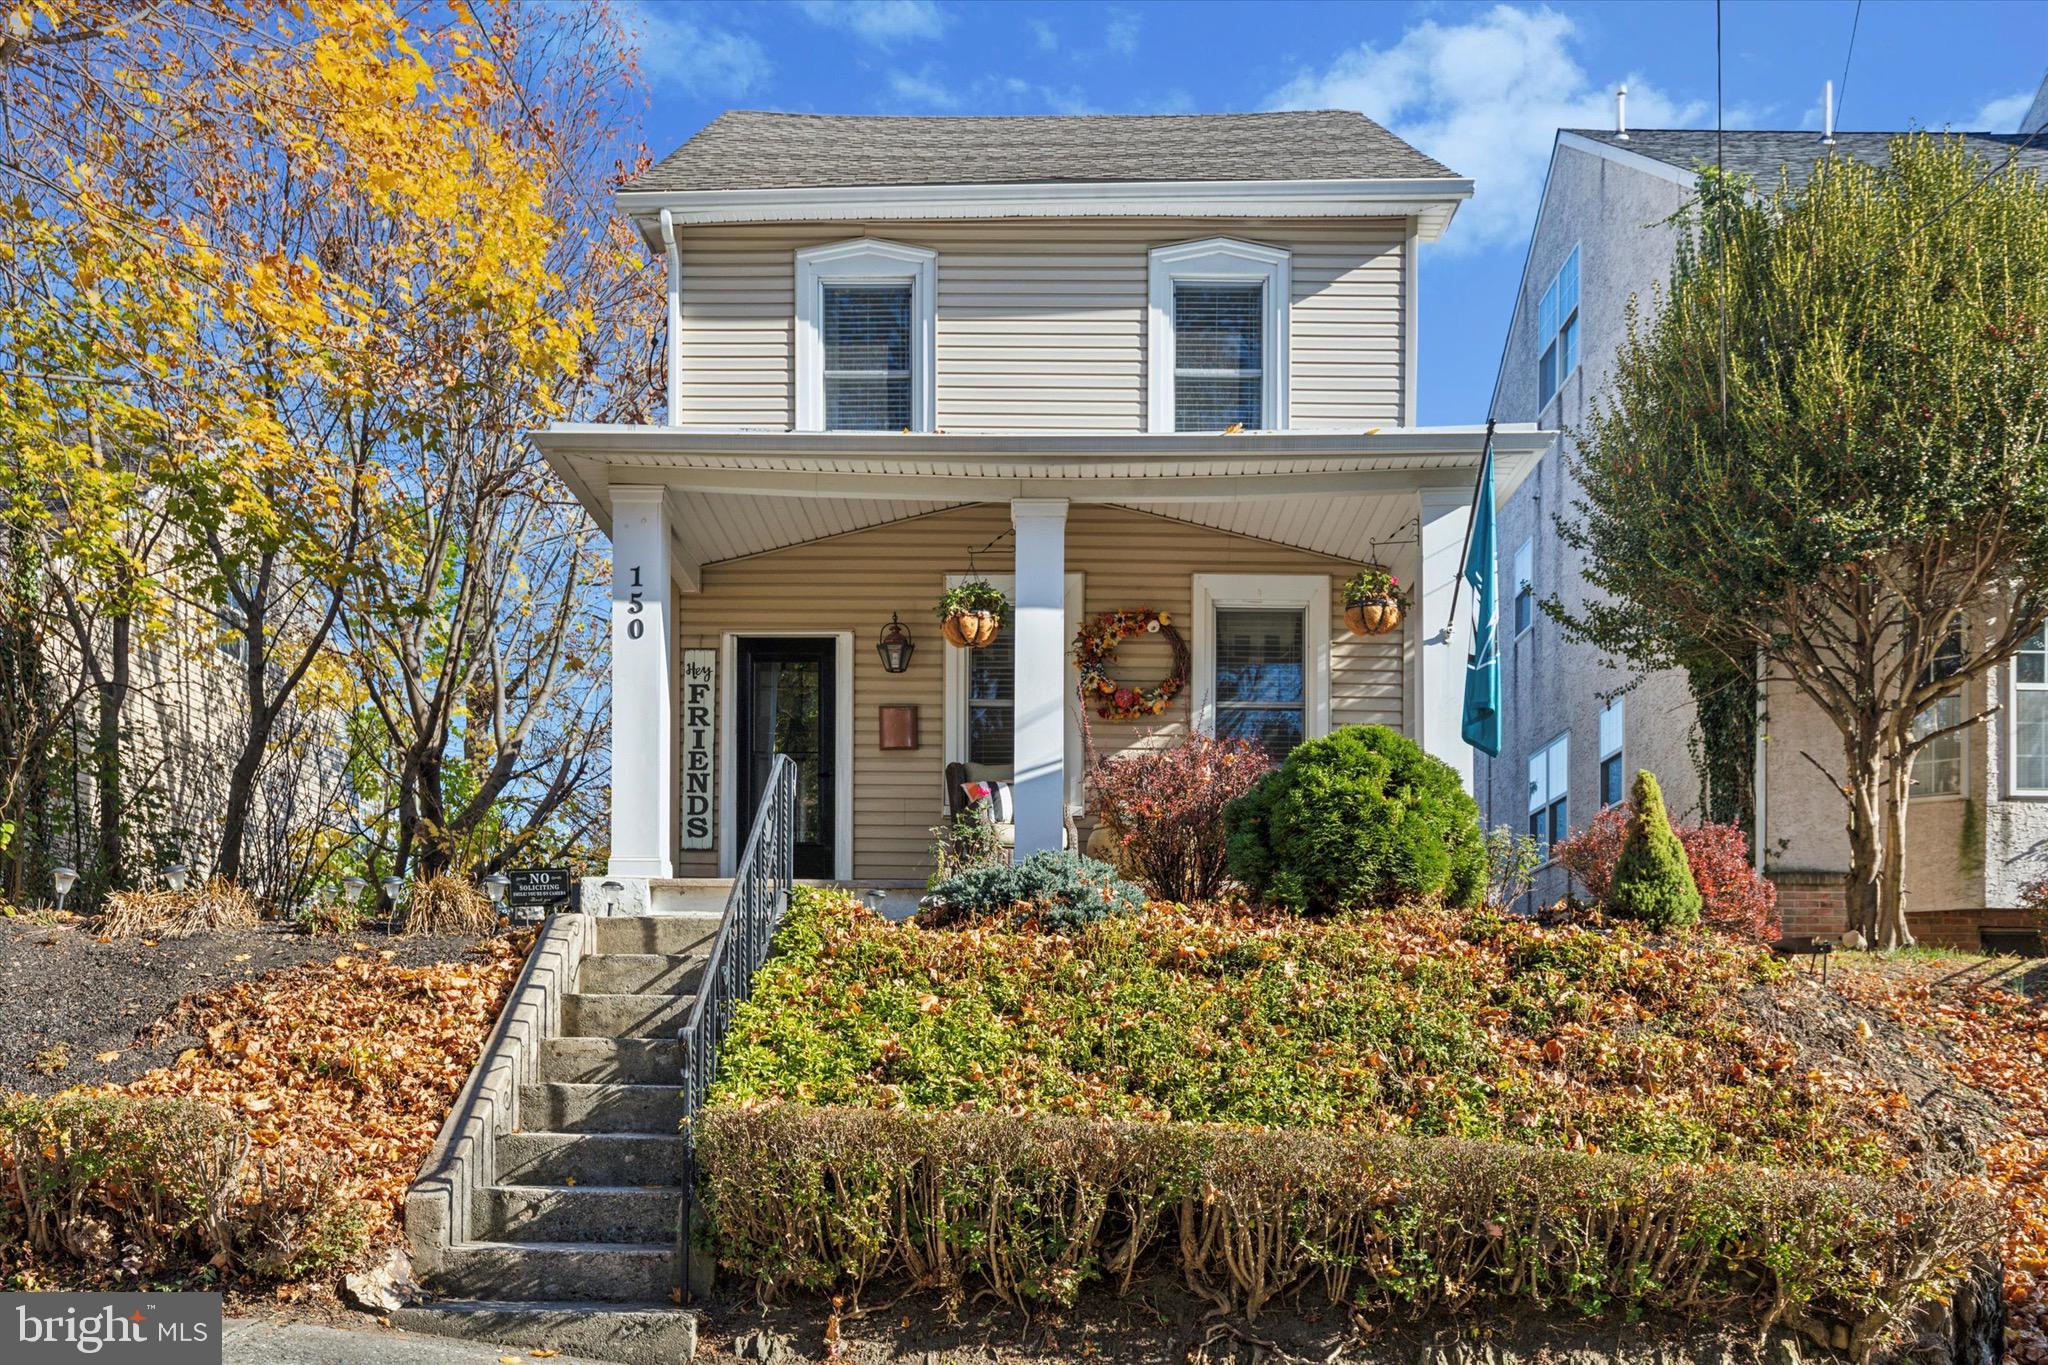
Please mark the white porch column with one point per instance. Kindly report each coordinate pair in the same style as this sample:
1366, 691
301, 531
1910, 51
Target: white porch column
643, 688
1041, 677
1440, 691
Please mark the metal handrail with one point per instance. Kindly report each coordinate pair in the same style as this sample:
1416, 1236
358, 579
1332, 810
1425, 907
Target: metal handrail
761, 887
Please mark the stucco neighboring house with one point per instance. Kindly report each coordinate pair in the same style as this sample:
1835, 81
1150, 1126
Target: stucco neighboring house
1576, 729
903, 347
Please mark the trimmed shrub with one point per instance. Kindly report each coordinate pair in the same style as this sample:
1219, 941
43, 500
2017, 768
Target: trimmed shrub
1031, 1208
450, 905
219, 904
1653, 883
1360, 818
165, 1186
1734, 897
1166, 809
1057, 889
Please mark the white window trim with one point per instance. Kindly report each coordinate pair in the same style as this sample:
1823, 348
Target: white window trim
729, 835
1217, 258
1543, 343
955, 712
2013, 688
1308, 593
864, 260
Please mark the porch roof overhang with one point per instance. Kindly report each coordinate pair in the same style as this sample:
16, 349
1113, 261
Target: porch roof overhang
737, 492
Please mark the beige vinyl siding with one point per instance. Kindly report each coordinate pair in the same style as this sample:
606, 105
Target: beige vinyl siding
852, 583
1041, 322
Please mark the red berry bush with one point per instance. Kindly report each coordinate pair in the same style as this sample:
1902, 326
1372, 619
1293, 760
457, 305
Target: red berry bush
1166, 808
1736, 899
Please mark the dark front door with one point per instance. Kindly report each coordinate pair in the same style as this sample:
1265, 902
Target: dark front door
786, 692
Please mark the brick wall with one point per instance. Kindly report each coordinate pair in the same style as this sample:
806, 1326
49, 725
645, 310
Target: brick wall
1811, 903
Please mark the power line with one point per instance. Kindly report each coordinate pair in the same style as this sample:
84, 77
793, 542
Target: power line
1842, 87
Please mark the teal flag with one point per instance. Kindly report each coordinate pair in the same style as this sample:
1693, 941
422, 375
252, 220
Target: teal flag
1482, 665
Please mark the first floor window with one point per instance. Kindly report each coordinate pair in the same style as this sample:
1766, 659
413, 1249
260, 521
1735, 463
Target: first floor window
1261, 677
1611, 791
867, 357
1549, 792
992, 704
2030, 714
1938, 764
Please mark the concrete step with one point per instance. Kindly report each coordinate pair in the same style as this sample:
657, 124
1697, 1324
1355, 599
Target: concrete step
657, 933
587, 1213
576, 1107
640, 973
610, 1272
630, 1333
624, 1016
615, 1061
590, 1159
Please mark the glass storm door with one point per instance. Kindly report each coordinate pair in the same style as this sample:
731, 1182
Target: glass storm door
786, 692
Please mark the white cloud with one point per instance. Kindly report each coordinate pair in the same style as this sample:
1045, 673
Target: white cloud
1120, 35
1484, 97
701, 58
883, 23
2001, 115
1048, 37
922, 88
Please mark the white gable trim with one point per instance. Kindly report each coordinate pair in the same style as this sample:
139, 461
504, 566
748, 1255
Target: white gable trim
864, 259
1217, 258
1635, 161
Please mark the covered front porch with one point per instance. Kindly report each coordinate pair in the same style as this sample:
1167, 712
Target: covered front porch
754, 571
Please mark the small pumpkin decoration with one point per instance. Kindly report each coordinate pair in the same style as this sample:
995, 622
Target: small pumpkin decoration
971, 615
1374, 602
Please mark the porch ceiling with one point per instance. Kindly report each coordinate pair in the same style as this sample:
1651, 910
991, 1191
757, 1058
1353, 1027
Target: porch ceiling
736, 493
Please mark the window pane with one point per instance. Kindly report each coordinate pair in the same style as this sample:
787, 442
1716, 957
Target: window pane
2031, 668
867, 357
1610, 727
991, 714
2030, 740
1258, 657
1568, 344
1274, 729
1560, 820
1549, 375
1216, 404
1217, 326
1610, 780
1525, 611
1568, 285
1938, 768
1546, 315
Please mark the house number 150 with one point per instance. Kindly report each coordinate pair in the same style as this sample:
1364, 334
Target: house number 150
635, 628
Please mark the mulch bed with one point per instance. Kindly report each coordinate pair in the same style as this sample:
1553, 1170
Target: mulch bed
66, 990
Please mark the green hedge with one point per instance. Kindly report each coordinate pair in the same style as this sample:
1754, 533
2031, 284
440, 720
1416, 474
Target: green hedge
1032, 1208
161, 1187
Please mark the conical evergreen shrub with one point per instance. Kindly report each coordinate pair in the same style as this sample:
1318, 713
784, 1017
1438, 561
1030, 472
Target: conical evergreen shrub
1652, 881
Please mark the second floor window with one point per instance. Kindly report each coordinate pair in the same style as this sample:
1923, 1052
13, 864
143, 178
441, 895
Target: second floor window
1938, 765
2030, 715
1611, 732
1217, 346
865, 327
867, 357
1557, 330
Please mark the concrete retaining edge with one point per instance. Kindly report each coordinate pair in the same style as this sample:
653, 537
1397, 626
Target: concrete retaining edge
438, 1206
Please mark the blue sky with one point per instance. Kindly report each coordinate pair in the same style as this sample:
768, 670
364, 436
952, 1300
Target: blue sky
1481, 87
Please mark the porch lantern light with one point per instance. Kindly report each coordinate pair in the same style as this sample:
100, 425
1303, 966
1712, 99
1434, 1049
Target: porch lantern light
495, 886
63, 879
352, 889
895, 646
175, 876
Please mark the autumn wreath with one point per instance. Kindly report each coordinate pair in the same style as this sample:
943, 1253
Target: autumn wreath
1095, 650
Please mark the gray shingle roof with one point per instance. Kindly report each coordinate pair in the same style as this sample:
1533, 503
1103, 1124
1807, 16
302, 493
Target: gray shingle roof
747, 150
1761, 155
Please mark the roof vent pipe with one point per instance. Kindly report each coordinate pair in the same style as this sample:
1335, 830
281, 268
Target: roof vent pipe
1621, 114
1827, 114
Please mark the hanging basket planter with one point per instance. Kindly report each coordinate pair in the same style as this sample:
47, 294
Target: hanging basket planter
971, 615
1374, 602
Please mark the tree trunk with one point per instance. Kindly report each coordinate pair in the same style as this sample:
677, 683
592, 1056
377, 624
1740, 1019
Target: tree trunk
1866, 852
107, 766
262, 716
1892, 930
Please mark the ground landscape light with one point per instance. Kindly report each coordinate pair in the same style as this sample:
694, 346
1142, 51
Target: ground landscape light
63, 879
394, 887
175, 876
353, 888
496, 885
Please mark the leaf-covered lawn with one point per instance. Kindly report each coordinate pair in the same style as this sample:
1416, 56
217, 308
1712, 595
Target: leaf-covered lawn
355, 1060
1418, 1023
1999, 1043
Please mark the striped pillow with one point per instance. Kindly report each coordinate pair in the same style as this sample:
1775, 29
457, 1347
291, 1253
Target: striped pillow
996, 794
